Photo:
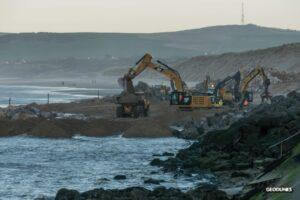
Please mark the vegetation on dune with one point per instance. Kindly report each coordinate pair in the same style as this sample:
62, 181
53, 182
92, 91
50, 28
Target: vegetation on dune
290, 171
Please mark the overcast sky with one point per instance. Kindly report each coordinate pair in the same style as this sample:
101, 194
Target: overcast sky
142, 15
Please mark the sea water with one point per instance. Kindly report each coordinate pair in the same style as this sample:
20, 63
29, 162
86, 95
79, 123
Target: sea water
21, 95
32, 167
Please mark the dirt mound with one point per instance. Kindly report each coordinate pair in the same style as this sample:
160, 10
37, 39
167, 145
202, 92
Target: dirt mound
49, 129
147, 128
56, 120
103, 127
65, 128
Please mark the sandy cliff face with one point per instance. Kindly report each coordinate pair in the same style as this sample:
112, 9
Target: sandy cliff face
284, 58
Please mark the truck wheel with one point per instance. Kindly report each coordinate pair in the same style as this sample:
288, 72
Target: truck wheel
145, 113
139, 111
120, 111
135, 113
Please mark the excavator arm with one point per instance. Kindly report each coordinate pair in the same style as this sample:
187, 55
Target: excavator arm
126, 81
255, 72
223, 83
141, 65
146, 62
171, 74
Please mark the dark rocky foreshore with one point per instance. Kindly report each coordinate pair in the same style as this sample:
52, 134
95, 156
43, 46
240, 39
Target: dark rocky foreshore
139, 193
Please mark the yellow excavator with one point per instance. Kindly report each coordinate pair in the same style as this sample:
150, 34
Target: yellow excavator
247, 96
180, 96
240, 92
133, 104
227, 96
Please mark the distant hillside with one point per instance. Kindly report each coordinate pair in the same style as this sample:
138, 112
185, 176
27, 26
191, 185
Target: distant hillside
188, 43
285, 57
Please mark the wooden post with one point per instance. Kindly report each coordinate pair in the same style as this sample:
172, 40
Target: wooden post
9, 102
98, 94
48, 98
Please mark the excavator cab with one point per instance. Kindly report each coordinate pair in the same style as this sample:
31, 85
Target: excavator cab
185, 101
180, 98
250, 96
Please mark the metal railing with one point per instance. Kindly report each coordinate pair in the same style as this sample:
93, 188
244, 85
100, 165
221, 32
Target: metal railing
283, 141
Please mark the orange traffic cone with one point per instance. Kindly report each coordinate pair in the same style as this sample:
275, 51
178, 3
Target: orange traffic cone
246, 103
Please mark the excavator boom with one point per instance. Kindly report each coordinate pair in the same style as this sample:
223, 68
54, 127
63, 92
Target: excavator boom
255, 72
171, 74
220, 93
223, 83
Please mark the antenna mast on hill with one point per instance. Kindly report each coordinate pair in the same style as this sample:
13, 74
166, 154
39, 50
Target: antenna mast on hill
243, 14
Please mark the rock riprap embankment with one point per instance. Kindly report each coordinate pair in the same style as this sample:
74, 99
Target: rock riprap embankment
239, 153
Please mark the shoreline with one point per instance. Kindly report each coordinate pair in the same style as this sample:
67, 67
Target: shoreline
238, 156
212, 130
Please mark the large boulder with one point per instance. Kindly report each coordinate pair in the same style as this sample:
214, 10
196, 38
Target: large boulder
2, 114
65, 194
23, 116
120, 177
153, 181
208, 192
142, 87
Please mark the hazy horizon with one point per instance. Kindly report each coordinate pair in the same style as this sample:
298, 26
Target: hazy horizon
136, 16
152, 32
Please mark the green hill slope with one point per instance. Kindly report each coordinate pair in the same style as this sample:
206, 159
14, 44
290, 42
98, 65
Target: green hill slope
210, 40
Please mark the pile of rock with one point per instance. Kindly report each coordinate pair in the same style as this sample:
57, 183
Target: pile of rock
242, 150
31, 111
71, 116
193, 129
281, 76
25, 112
143, 87
155, 93
190, 128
